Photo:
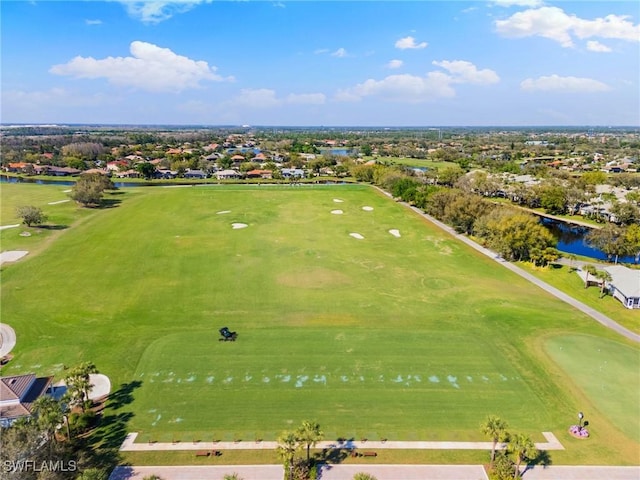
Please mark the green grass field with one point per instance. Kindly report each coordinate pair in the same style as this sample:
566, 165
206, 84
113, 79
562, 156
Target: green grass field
416, 337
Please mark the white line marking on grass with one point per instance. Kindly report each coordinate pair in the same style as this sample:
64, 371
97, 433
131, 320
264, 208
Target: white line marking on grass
222, 212
67, 191
337, 200
356, 236
210, 379
395, 232
434, 379
237, 226
3, 227
337, 212
367, 209
453, 381
59, 201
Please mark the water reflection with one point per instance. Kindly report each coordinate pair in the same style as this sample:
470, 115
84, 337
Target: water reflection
571, 239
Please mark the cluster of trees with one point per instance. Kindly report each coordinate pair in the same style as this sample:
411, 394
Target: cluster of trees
52, 435
292, 442
514, 234
505, 463
89, 189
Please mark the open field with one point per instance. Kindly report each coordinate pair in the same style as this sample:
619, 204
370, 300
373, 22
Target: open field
413, 337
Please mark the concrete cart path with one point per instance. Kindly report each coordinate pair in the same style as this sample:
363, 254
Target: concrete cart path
129, 445
599, 317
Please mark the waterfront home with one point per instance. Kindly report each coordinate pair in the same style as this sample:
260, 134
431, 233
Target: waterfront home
624, 285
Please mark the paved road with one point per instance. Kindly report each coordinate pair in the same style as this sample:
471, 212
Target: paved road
599, 317
381, 472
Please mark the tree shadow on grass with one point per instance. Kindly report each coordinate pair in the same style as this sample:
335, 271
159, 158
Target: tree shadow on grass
543, 459
104, 441
333, 455
109, 203
53, 227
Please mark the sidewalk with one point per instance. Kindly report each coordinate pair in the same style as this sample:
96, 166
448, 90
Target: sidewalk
129, 445
381, 472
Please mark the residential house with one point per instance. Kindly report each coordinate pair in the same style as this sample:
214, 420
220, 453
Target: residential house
624, 285
257, 173
195, 174
292, 173
17, 395
227, 174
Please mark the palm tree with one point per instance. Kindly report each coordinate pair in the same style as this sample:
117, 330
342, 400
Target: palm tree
364, 476
604, 277
288, 446
79, 383
49, 414
496, 429
522, 448
309, 434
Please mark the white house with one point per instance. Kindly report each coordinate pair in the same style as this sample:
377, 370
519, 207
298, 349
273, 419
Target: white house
625, 285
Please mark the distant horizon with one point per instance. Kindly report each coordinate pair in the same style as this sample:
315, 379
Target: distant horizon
329, 63
7, 125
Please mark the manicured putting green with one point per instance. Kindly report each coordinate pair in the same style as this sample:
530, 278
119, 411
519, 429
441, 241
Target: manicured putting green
607, 371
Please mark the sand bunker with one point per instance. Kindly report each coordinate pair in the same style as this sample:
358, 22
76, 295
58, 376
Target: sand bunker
356, 235
9, 226
59, 201
337, 212
367, 209
237, 226
12, 256
337, 200
222, 212
395, 232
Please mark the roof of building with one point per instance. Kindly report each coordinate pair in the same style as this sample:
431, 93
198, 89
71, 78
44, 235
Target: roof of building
24, 389
625, 280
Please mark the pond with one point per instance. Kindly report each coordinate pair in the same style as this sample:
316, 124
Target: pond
571, 239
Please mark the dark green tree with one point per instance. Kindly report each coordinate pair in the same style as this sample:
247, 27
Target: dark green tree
31, 215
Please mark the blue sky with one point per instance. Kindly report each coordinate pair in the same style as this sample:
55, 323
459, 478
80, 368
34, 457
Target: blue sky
329, 63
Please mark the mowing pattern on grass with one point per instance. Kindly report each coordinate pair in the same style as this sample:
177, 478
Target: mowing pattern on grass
412, 337
609, 372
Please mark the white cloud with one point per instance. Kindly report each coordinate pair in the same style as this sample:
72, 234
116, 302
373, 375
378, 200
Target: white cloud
466, 72
156, 11
394, 64
404, 88
555, 24
148, 68
595, 46
267, 98
93, 22
340, 53
556, 83
320, 51
415, 89
409, 43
